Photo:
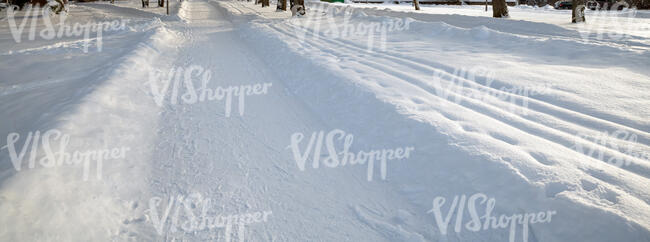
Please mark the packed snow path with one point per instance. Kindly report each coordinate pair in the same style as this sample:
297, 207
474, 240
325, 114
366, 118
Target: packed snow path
233, 148
237, 159
240, 160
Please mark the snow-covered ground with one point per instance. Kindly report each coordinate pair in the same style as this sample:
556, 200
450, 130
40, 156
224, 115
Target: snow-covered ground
227, 121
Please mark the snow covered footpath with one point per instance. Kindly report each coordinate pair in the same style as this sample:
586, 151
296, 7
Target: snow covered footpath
212, 118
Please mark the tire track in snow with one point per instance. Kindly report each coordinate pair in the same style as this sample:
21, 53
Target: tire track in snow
427, 66
496, 109
631, 185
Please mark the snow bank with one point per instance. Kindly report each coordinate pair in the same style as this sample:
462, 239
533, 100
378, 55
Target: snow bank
528, 162
40, 202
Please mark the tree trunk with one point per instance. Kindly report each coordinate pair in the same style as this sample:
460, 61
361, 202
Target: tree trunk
417, 4
499, 8
578, 11
265, 3
297, 7
282, 5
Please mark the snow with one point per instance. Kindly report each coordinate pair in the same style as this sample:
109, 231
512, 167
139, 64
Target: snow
531, 114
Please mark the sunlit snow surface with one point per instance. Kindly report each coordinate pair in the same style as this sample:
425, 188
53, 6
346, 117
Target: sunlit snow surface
535, 112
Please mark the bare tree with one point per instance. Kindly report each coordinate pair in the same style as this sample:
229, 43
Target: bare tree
499, 8
578, 11
417, 4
